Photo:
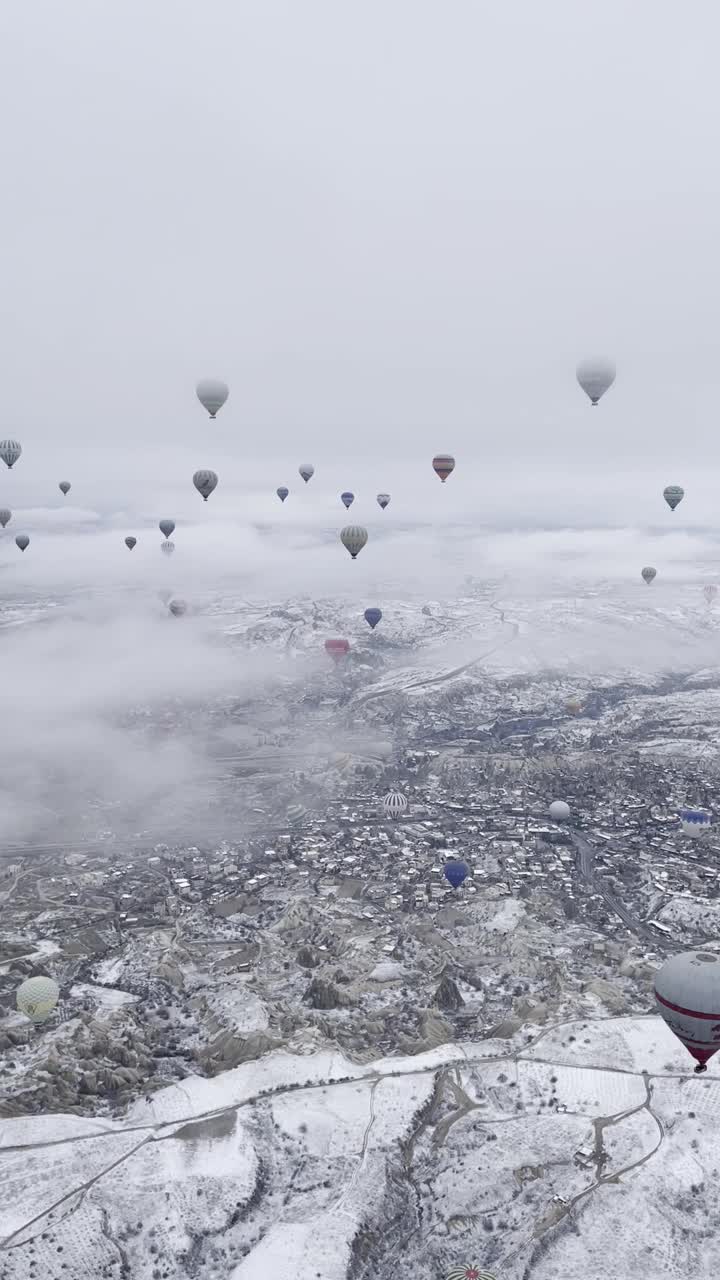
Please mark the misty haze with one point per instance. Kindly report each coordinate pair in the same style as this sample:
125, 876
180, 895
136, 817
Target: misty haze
360, 615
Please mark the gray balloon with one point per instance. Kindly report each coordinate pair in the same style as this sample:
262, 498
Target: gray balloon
648, 573
177, 608
212, 394
130, 542
5, 516
353, 538
22, 541
10, 451
167, 527
167, 548
307, 471
205, 481
64, 486
595, 376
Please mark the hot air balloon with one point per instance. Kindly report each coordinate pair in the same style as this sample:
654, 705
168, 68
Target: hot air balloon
307, 471
673, 494
347, 499
65, 487
282, 492
177, 607
687, 991
456, 873
130, 542
295, 814
167, 527
709, 592
695, 822
383, 499
353, 538
337, 649
37, 997
649, 573
372, 617
5, 516
559, 811
595, 376
205, 481
10, 451
394, 804
443, 465
212, 394
573, 707
167, 548
22, 541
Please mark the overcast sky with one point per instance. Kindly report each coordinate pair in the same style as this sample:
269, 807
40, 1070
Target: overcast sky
393, 227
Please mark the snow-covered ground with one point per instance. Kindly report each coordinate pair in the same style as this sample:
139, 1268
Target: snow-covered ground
585, 1152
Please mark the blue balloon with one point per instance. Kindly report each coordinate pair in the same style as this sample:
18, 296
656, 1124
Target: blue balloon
695, 822
347, 498
372, 617
282, 493
456, 872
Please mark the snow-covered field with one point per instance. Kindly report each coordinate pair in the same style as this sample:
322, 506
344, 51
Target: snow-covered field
589, 1150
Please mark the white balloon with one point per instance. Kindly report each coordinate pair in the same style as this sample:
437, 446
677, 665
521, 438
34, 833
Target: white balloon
37, 997
353, 538
212, 394
595, 376
559, 811
687, 991
394, 804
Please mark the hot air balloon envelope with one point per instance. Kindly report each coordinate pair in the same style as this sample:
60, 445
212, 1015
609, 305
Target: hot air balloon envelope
337, 648
212, 394
282, 493
307, 471
695, 822
710, 592
383, 499
37, 997
394, 804
130, 542
443, 465
687, 991
167, 548
353, 538
167, 527
648, 573
456, 873
22, 541
5, 516
347, 499
205, 481
595, 376
64, 486
10, 451
559, 811
372, 617
673, 494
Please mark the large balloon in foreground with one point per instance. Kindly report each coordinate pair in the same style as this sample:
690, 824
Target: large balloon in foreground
673, 494
443, 465
383, 499
337, 649
648, 573
394, 804
167, 548
282, 492
559, 811
595, 376
5, 516
212, 394
37, 997
372, 617
469, 1272
130, 542
167, 527
10, 451
22, 541
205, 481
456, 873
687, 990
353, 538
307, 471
695, 822
65, 487
709, 591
